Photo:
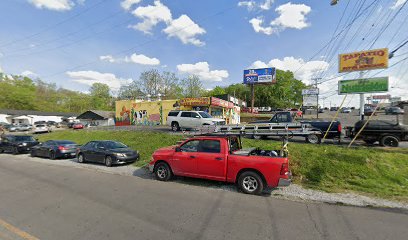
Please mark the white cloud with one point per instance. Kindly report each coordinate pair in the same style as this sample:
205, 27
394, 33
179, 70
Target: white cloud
252, 5
107, 58
186, 30
182, 27
56, 5
292, 16
91, 77
202, 70
127, 4
303, 70
257, 26
134, 58
398, 3
151, 16
29, 73
142, 59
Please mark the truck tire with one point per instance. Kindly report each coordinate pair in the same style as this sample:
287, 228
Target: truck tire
313, 139
175, 126
163, 172
250, 183
389, 141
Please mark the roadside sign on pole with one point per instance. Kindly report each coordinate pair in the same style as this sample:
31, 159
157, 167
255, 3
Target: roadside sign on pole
310, 100
260, 76
363, 85
311, 91
364, 60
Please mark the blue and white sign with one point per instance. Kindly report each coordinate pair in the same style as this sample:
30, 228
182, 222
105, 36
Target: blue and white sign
263, 75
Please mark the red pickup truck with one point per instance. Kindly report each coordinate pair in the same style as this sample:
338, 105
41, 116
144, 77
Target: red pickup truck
222, 159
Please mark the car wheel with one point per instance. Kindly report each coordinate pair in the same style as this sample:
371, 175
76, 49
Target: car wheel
389, 141
313, 139
81, 158
175, 127
250, 183
108, 161
163, 172
52, 155
15, 150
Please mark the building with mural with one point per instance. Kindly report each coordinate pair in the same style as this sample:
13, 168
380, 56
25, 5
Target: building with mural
129, 112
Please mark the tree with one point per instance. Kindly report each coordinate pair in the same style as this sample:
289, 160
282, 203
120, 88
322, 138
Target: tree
216, 91
192, 86
150, 82
170, 86
130, 91
101, 98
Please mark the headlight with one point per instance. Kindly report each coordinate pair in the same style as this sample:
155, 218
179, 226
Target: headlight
120, 154
24, 144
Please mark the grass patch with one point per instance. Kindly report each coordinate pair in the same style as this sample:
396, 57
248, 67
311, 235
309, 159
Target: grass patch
373, 171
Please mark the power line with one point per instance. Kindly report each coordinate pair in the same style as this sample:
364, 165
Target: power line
53, 26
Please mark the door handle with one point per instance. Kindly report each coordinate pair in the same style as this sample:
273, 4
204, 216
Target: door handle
218, 158
192, 157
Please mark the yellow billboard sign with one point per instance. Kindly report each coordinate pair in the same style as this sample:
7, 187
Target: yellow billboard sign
364, 60
202, 101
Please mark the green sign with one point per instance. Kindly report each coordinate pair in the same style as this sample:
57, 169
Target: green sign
365, 85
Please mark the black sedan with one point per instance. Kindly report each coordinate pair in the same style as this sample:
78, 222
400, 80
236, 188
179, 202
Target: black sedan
16, 143
55, 149
106, 152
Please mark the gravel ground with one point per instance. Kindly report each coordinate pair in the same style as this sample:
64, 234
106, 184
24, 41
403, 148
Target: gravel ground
293, 192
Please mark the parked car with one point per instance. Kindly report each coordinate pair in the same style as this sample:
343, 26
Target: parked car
16, 143
394, 111
107, 152
346, 110
321, 110
54, 149
333, 109
191, 119
221, 158
12, 128
369, 111
78, 126
53, 124
387, 133
320, 125
70, 124
23, 127
41, 128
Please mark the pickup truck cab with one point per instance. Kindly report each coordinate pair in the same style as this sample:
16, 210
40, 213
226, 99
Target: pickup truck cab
191, 119
319, 125
222, 159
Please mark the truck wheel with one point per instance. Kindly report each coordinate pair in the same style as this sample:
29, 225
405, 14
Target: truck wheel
163, 172
175, 126
250, 183
313, 139
389, 141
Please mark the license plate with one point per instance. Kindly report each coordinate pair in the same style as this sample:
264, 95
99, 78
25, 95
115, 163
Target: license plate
72, 154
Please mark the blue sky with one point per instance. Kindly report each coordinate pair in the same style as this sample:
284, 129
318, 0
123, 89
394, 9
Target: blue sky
75, 43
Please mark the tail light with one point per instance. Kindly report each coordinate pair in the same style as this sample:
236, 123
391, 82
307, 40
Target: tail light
339, 127
284, 169
62, 148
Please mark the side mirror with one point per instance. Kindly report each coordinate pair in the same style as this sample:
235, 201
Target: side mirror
178, 149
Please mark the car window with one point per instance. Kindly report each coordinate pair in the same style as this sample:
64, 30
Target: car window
90, 145
173, 114
186, 114
234, 144
100, 144
48, 143
205, 115
190, 146
210, 146
194, 115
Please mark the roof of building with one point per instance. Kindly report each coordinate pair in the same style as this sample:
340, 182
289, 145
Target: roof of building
96, 115
37, 113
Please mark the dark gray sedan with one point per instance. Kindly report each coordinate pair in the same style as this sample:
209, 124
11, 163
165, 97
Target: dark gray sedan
106, 152
54, 149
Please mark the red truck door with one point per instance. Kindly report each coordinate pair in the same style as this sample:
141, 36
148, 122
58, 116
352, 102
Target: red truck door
211, 162
185, 162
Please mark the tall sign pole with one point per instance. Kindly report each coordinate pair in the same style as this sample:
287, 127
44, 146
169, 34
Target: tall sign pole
317, 104
252, 97
361, 99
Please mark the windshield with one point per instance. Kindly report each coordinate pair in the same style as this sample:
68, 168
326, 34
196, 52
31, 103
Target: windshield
204, 115
24, 139
114, 145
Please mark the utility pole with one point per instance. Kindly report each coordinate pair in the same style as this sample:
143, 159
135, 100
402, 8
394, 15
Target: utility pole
316, 83
361, 99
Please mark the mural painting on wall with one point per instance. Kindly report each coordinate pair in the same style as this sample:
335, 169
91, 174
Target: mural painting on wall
131, 113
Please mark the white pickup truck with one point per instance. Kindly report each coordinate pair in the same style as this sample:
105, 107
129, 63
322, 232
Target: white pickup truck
191, 119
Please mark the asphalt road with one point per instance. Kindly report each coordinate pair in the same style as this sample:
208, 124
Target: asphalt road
41, 201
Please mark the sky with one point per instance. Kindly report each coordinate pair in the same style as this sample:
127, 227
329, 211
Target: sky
75, 43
